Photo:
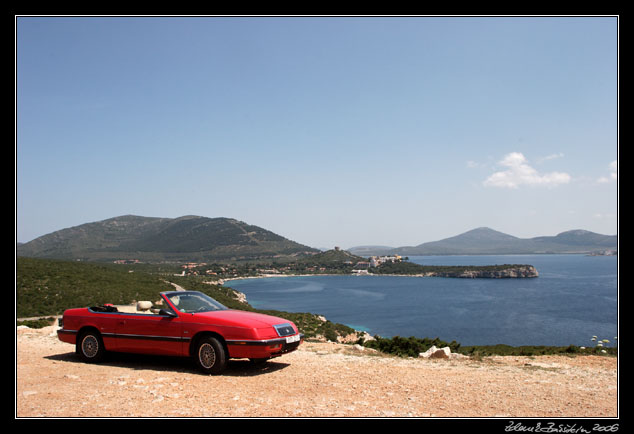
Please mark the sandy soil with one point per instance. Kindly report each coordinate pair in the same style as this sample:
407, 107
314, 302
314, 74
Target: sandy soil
318, 380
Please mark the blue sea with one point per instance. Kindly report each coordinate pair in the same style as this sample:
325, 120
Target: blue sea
574, 298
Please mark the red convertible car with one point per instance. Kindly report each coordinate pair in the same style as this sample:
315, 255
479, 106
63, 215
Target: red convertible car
189, 324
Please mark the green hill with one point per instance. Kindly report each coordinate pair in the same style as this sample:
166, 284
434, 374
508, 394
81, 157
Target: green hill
152, 239
334, 256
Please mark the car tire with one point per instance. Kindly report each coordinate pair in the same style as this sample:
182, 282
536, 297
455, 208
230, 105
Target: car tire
210, 355
90, 346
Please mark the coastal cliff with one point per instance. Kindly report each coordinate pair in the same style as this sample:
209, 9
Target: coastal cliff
506, 271
523, 271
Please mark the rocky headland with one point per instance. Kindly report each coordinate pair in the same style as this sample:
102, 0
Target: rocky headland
524, 271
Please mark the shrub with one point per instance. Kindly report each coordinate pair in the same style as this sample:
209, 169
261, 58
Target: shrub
37, 323
408, 347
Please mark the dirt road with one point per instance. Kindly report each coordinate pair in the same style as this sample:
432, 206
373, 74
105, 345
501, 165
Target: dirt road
318, 380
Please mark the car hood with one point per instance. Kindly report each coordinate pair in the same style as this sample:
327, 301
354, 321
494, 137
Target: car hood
242, 318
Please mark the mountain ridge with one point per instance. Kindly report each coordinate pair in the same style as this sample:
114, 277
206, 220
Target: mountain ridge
484, 240
192, 238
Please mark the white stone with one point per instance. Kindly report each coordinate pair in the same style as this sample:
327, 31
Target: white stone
436, 353
143, 305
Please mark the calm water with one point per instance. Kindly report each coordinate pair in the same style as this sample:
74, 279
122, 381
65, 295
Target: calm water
574, 298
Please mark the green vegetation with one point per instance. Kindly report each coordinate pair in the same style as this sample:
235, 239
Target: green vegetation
48, 287
37, 323
507, 350
412, 347
408, 347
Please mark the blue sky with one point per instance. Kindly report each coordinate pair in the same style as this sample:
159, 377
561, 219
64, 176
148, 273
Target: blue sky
327, 130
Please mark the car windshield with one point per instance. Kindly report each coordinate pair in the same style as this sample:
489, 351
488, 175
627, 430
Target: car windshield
193, 302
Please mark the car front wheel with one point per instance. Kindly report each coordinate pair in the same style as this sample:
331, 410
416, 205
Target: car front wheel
210, 355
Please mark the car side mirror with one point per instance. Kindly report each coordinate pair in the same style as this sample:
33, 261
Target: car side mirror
167, 312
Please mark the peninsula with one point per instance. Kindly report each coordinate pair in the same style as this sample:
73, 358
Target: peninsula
341, 262
460, 271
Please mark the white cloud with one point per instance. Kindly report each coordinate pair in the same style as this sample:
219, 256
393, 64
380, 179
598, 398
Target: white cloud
613, 173
551, 157
518, 172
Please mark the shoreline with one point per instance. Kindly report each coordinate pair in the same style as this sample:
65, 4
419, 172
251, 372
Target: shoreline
267, 276
431, 274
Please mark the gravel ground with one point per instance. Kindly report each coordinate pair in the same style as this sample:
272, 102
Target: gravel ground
318, 380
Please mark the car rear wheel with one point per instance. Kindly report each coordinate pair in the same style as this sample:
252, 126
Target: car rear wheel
210, 355
90, 346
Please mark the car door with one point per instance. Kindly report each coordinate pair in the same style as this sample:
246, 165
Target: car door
150, 334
